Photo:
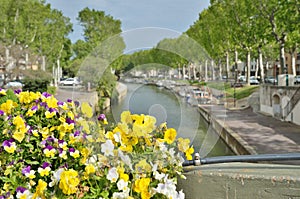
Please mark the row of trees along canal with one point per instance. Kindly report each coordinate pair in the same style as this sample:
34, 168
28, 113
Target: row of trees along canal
265, 28
232, 30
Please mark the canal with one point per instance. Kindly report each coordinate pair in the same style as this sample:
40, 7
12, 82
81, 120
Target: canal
168, 107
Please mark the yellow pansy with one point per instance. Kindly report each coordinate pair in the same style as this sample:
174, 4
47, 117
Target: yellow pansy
71, 115
87, 109
141, 185
122, 174
19, 135
188, 153
51, 102
69, 181
2, 91
40, 188
89, 169
126, 117
49, 114
170, 135
19, 122
8, 106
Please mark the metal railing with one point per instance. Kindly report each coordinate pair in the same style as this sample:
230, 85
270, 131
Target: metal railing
242, 158
292, 103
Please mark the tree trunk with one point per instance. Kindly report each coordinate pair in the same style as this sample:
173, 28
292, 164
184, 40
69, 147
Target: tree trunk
256, 68
200, 71
43, 67
235, 64
227, 65
213, 70
293, 63
282, 58
220, 70
248, 67
194, 71
262, 72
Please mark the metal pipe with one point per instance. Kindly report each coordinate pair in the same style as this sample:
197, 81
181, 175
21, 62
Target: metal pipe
244, 158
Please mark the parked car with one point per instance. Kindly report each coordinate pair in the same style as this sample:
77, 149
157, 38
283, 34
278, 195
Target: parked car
253, 81
270, 80
242, 78
13, 84
69, 82
297, 79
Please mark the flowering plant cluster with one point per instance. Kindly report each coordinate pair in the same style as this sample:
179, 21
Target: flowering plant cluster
54, 149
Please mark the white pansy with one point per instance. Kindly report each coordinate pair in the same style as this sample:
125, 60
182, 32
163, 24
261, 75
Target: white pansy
107, 148
112, 175
122, 185
26, 194
159, 176
55, 177
120, 195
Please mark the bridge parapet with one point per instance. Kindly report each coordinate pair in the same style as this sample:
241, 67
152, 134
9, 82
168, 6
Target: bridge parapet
241, 180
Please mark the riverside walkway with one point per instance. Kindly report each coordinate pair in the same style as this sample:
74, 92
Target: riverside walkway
264, 134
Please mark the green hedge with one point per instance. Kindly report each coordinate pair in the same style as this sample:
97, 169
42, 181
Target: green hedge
36, 80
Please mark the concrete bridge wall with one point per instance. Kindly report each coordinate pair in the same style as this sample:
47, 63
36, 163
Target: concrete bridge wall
241, 181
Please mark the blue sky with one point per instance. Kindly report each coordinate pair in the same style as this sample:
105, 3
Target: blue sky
167, 18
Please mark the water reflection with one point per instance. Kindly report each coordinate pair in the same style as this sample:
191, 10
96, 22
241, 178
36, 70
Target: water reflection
166, 106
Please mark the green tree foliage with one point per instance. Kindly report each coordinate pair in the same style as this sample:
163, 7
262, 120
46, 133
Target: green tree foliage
96, 57
36, 30
257, 26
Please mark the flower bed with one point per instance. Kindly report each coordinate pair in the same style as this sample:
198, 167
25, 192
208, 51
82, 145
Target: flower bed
53, 149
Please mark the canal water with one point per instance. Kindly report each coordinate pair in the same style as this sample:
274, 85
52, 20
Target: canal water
168, 107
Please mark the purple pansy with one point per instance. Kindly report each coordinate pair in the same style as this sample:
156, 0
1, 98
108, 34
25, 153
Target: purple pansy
60, 103
6, 143
43, 104
71, 150
11, 163
1, 112
76, 133
52, 110
70, 121
21, 189
60, 150
46, 164
17, 91
50, 139
101, 117
34, 108
61, 141
46, 95
26, 170
49, 147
